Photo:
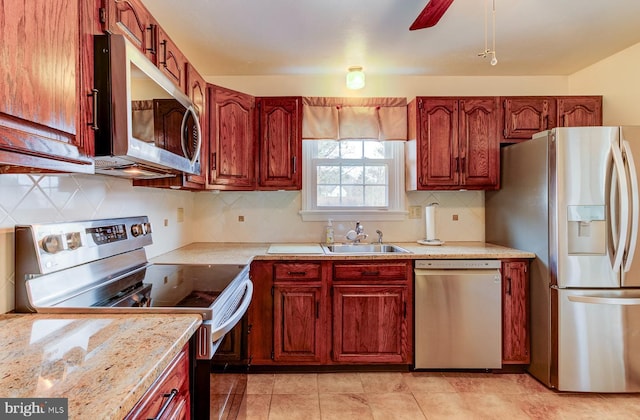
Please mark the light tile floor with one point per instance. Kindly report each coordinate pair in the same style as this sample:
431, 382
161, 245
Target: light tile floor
415, 395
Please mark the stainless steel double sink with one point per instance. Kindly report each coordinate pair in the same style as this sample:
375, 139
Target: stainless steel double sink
363, 249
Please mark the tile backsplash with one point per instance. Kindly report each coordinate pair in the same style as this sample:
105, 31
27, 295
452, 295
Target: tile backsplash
208, 217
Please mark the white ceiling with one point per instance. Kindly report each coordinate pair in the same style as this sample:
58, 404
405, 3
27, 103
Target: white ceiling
280, 37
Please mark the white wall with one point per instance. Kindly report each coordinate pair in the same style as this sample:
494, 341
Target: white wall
31, 199
618, 79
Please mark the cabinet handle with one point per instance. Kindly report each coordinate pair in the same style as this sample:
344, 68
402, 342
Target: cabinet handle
152, 36
296, 273
456, 162
169, 397
294, 169
94, 124
213, 161
462, 164
508, 286
164, 52
371, 273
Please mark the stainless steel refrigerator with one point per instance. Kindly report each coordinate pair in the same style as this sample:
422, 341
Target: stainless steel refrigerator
570, 195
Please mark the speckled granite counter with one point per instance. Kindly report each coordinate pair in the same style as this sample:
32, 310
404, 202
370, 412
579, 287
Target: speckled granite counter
102, 364
244, 253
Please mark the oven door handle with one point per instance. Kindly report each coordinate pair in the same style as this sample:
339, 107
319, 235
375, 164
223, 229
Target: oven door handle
228, 325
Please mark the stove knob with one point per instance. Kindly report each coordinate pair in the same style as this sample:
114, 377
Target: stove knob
73, 240
136, 230
52, 244
147, 228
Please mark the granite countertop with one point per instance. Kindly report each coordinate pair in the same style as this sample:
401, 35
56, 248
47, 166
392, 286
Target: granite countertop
244, 253
103, 364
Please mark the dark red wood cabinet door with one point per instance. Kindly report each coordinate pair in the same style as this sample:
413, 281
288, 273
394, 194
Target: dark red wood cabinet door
437, 142
479, 142
515, 311
280, 143
579, 111
232, 148
297, 331
369, 324
525, 116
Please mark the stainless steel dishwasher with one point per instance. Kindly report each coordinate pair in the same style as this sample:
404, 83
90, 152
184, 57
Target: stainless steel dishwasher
458, 314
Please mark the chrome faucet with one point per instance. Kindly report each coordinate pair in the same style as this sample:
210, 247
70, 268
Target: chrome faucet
379, 232
357, 234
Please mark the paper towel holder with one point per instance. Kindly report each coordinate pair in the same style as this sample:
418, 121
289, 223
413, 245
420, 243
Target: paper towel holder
430, 238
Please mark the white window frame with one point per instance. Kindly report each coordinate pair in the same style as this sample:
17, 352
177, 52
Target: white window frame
396, 209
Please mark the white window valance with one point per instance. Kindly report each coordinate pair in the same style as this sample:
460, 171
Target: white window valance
354, 118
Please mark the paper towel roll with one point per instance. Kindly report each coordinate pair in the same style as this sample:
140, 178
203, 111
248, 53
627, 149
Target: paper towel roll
430, 222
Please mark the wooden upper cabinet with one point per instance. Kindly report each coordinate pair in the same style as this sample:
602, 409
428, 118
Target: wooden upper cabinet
454, 143
524, 116
45, 107
231, 140
131, 19
171, 60
479, 150
579, 111
279, 143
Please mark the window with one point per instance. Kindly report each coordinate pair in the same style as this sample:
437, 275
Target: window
348, 178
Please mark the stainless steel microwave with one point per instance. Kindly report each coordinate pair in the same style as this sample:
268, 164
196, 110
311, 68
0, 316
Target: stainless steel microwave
146, 127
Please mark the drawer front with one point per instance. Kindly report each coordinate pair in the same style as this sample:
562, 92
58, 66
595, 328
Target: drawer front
370, 271
296, 271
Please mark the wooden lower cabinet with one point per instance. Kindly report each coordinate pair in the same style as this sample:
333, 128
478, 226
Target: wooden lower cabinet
515, 312
326, 313
370, 324
297, 326
169, 396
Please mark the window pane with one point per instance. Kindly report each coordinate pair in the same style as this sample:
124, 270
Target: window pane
328, 174
351, 149
375, 196
374, 150
375, 175
328, 195
352, 174
328, 149
352, 195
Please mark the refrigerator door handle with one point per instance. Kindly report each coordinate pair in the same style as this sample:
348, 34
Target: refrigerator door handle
635, 207
605, 300
624, 206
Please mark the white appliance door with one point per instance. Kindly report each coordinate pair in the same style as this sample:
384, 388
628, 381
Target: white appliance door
588, 198
630, 144
598, 340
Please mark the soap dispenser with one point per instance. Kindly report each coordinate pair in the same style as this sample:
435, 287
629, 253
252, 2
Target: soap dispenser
329, 232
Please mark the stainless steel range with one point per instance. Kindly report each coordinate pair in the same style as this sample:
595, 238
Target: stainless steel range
100, 266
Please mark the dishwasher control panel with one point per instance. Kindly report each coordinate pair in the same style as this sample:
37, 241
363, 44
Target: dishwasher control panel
457, 264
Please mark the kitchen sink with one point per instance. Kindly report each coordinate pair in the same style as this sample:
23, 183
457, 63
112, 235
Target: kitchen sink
364, 249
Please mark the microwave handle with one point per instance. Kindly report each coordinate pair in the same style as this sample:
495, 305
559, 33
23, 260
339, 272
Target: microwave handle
185, 139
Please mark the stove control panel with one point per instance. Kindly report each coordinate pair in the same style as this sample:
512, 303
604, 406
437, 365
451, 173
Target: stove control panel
55, 246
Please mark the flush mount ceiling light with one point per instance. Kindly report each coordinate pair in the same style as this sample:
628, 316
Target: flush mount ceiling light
490, 52
355, 78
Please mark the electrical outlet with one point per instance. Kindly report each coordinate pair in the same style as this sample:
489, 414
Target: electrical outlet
166, 222
415, 212
454, 217
240, 218
180, 215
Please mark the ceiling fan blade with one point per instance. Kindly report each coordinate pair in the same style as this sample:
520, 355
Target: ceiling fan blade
431, 14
